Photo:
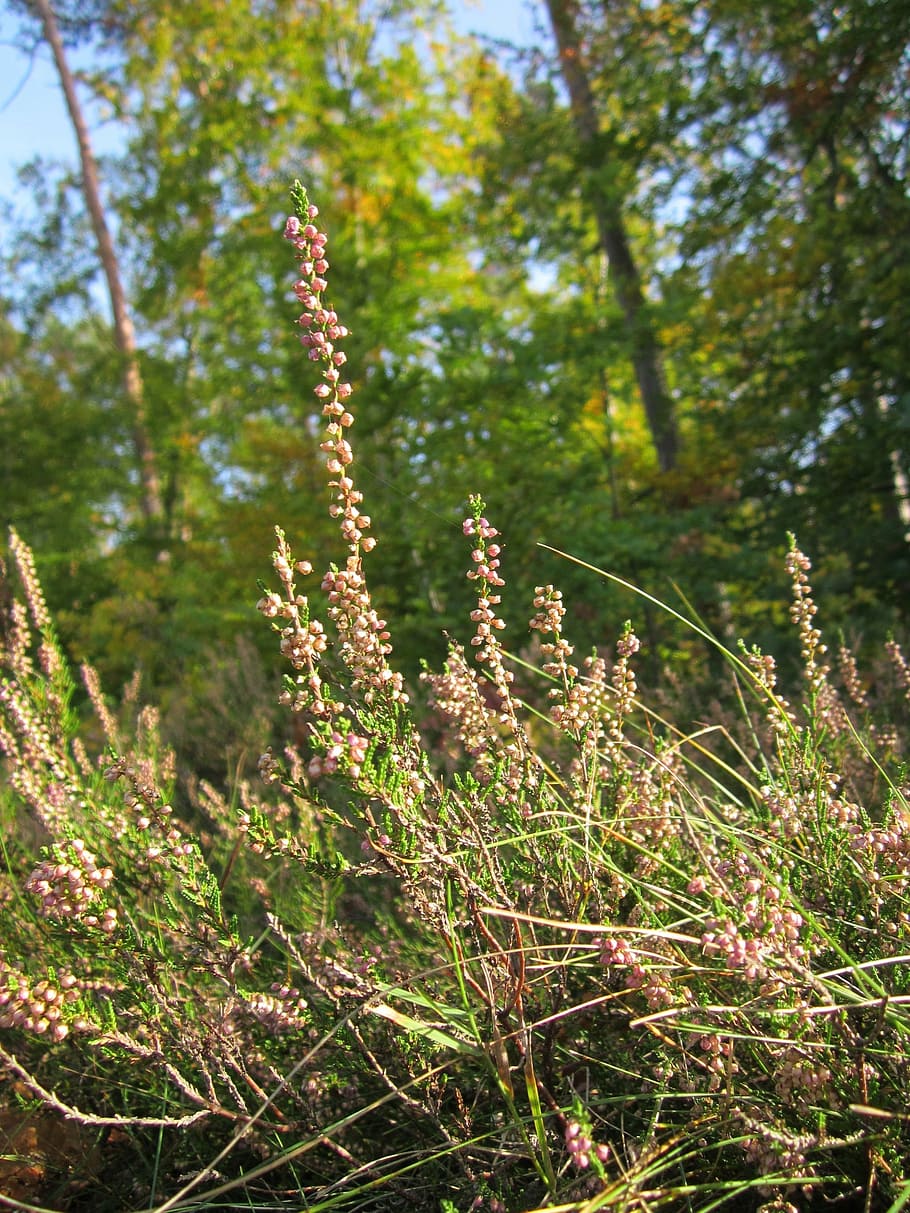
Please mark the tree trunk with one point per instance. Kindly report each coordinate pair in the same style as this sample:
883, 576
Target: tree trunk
124, 333
614, 241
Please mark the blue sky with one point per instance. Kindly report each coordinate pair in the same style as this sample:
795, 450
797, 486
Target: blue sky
33, 119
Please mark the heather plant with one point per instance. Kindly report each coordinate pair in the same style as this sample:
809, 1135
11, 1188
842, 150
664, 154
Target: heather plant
507, 940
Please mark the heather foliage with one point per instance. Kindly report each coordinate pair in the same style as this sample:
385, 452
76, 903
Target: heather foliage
508, 940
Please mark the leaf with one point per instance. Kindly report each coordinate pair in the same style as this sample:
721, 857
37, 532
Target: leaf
428, 1031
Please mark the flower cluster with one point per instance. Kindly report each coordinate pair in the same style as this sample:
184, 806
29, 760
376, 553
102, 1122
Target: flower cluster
576, 703
37, 772
788, 813
284, 1009
582, 1148
321, 332
651, 983
624, 682
900, 666
850, 677
152, 815
802, 1080
885, 850
486, 560
772, 1150
303, 640
346, 750
364, 637
70, 884
803, 610
717, 1058
92, 685
34, 595
780, 715
457, 694
826, 701
738, 952
524, 763
586, 706
550, 614
614, 950
775, 932
43, 1008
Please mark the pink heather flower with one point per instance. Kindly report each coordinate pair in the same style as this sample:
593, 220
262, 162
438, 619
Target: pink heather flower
581, 1148
292, 228
70, 889
357, 747
616, 951
270, 605
626, 646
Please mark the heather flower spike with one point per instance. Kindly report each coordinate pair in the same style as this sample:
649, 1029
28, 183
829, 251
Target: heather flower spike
364, 639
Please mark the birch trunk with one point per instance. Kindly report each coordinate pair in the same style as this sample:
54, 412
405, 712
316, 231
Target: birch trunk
124, 333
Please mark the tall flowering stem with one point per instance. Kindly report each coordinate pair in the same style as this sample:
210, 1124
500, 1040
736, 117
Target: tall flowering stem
346, 719
803, 612
488, 581
364, 639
